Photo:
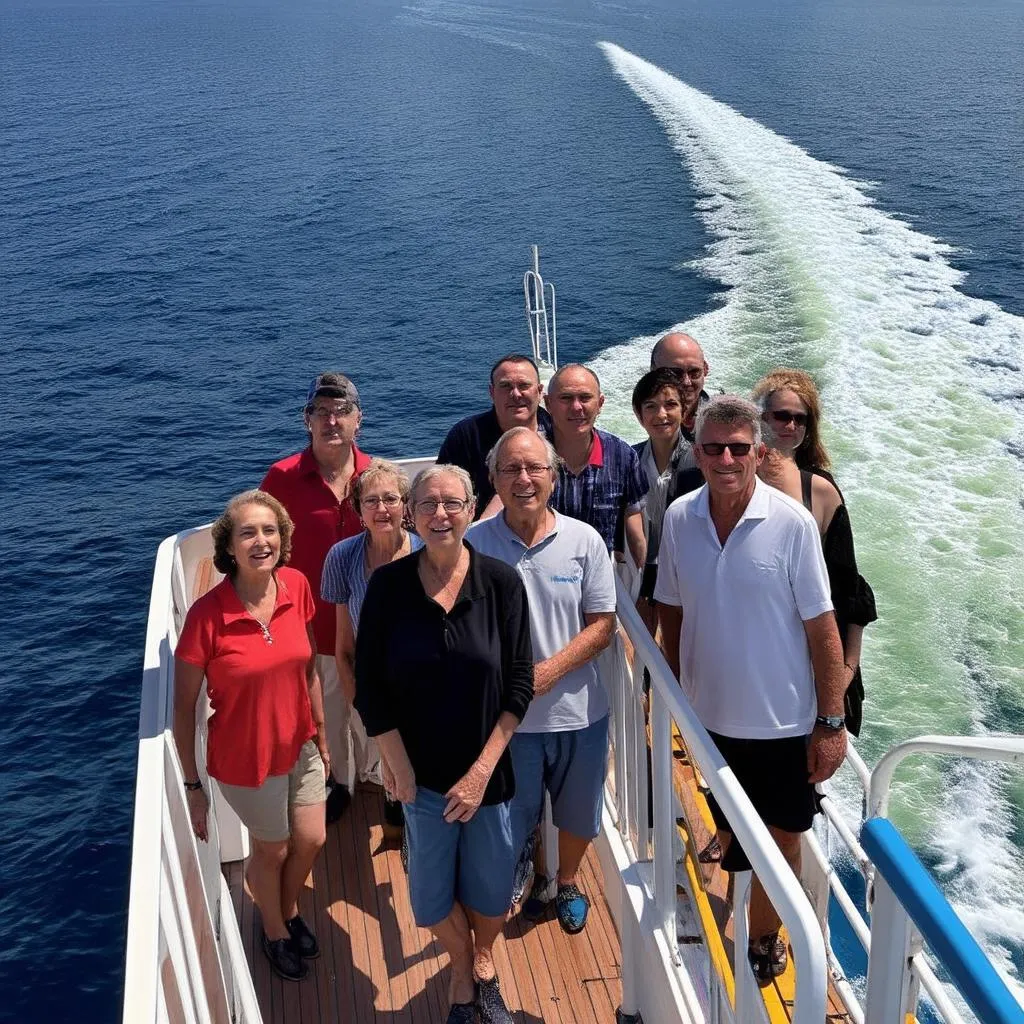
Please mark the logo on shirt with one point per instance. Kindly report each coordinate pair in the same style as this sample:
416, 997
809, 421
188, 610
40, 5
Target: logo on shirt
567, 577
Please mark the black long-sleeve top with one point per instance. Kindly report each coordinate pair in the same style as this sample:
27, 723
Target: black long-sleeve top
442, 679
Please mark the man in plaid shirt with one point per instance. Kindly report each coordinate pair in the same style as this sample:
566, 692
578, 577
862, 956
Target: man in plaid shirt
601, 481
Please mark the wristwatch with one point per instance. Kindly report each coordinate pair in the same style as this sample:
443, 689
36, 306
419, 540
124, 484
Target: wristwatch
833, 722
193, 786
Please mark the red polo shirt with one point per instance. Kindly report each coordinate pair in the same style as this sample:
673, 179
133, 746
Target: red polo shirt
320, 522
261, 714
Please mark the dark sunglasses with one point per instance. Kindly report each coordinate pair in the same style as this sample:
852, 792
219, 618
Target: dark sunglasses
785, 416
736, 448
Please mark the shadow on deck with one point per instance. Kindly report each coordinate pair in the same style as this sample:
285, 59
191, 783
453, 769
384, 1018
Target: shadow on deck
377, 966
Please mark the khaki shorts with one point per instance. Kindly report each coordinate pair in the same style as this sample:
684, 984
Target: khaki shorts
264, 810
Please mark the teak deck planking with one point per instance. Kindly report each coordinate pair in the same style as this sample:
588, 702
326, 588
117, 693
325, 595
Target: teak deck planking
377, 966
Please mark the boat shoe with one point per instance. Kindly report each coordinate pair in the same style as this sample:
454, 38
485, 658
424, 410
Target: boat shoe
571, 906
284, 960
768, 957
489, 1003
303, 940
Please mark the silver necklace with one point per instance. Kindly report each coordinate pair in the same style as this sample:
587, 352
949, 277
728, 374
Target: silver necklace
264, 626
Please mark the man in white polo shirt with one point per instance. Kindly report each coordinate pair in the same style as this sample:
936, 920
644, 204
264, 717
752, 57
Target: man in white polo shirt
562, 744
748, 628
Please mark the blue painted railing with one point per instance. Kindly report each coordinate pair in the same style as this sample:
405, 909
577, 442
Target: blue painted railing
944, 933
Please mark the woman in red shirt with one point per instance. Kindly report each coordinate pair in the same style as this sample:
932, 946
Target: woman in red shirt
251, 637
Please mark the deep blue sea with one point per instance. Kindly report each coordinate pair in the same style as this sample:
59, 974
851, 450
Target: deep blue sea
203, 204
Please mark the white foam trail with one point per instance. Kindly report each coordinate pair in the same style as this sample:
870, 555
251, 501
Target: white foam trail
528, 32
819, 277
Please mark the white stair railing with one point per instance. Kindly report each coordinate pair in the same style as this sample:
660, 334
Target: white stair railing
542, 322
668, 705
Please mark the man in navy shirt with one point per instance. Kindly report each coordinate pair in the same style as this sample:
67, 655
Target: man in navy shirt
515, 391
601, 480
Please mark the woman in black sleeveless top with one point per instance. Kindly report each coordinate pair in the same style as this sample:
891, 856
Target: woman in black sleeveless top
798, 464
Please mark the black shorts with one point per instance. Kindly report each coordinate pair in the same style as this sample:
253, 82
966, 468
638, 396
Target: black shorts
773, 773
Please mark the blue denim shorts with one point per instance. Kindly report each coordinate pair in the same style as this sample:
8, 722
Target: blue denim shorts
572, 767
472, 862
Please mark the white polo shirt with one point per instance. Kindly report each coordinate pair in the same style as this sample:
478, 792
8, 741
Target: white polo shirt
743, 655
567, 574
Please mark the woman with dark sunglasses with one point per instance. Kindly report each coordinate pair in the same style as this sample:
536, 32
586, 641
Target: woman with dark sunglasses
798, 464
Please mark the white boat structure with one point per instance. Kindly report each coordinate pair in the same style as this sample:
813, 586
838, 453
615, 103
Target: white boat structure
659, 946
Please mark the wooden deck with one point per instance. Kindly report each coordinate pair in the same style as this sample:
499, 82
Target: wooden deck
377, 966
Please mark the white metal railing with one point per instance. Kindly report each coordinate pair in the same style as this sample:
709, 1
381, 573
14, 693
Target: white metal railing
543, 331
993, 747
668, 705
183, 958
908, 909
875, 786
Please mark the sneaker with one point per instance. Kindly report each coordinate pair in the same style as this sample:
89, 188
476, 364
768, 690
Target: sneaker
303, 940
462, 1013
538, 901
337, 803
394, 819
571, 906
284, 961
489, 1003
768, 957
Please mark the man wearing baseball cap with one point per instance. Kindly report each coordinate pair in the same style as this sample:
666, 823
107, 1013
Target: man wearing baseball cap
314, 486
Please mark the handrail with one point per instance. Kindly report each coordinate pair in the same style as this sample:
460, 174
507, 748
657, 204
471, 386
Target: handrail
943, 931
993, 747
780, 884
919, 966
171, 926
543, 335
142, 955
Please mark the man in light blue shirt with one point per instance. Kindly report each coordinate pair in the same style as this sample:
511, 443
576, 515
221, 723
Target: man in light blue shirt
561, 746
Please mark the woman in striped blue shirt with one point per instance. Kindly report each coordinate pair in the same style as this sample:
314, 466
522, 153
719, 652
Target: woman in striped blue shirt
379, 494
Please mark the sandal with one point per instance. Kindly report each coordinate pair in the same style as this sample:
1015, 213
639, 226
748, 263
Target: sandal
712, 853
768, 957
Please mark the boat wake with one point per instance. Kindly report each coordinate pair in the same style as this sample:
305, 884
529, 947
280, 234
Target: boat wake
924, 394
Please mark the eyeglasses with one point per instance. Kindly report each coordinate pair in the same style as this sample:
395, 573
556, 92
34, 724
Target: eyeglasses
535, 470
429, 506
691, 373
785, 416
736, 448
387, 500
322, 412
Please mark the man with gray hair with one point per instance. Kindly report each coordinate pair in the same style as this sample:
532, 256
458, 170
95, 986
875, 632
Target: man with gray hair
561, 746
748, 629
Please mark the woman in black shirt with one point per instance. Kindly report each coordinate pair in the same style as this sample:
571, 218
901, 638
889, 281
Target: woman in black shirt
444, 674
798, 465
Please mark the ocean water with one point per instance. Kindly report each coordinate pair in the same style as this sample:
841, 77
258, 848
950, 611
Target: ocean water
204, 204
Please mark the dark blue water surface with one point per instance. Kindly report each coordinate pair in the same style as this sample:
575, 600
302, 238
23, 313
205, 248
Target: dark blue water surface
203, 204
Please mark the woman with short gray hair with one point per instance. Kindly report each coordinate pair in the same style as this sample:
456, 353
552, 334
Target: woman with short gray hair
444, 675
379, 494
